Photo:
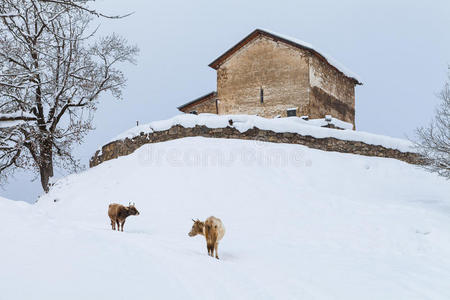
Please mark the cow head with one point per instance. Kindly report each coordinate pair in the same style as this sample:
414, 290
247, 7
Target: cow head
197, 228
132, 210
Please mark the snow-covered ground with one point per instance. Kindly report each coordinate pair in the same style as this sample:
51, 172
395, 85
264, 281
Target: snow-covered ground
301, 224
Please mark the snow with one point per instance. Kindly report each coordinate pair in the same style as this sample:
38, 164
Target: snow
330, 59
8, 119
7, 124
292, 124
333, 121
8, 15
17, 114
308, 225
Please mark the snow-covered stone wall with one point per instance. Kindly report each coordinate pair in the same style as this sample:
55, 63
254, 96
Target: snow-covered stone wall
284, 130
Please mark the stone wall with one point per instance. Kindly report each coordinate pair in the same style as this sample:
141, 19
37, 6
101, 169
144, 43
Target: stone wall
206, 104
289, 77
323, 104
128, 146
331, 93
267, 77
280, 70
204, 107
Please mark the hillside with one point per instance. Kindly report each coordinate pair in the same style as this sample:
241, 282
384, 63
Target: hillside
301, 224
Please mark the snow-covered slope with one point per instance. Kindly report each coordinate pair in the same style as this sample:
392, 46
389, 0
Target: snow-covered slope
301, 224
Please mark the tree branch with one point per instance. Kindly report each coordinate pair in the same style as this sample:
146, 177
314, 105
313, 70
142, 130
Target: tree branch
72, 3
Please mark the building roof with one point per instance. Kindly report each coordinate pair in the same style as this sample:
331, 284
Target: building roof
198, 100
288, 40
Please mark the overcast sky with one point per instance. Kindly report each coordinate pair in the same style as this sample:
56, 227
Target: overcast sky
400, 49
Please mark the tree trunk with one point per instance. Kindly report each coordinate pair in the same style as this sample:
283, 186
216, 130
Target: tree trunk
46, 163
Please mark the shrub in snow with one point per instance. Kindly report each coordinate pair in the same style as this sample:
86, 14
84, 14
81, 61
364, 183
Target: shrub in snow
433, 142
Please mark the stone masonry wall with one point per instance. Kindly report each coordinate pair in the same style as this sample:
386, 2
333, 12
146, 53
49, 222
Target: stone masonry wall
331, 93
128, 146
208, 106
280, 70
289, 78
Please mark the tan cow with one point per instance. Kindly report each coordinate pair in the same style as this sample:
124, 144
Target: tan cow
118, 213
212, 229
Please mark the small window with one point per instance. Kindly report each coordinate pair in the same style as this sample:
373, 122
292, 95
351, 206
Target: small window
261, 95
194, 112
292, 112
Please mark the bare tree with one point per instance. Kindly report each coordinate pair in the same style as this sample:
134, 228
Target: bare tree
51, 76
433, 142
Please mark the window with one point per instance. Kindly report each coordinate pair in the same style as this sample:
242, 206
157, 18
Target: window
261, 95
292, 112
194, 112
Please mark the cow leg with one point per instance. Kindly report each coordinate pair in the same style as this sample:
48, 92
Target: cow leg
216, 246
118, 224
123, 222
211, 249
208, 246
113, 224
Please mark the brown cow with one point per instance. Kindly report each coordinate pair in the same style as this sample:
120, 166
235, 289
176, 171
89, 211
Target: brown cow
212, 229
118, 213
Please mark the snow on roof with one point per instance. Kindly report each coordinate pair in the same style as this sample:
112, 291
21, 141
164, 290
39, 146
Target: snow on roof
330, 59
292, 124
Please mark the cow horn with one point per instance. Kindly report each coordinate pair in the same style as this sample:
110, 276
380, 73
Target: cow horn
193, 220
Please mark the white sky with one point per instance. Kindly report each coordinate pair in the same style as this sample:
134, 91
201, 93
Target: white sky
400, 49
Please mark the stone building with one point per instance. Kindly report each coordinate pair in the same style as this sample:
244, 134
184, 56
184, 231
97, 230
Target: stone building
271, 75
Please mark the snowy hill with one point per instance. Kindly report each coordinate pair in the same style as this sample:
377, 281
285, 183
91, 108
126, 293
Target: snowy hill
301, 224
